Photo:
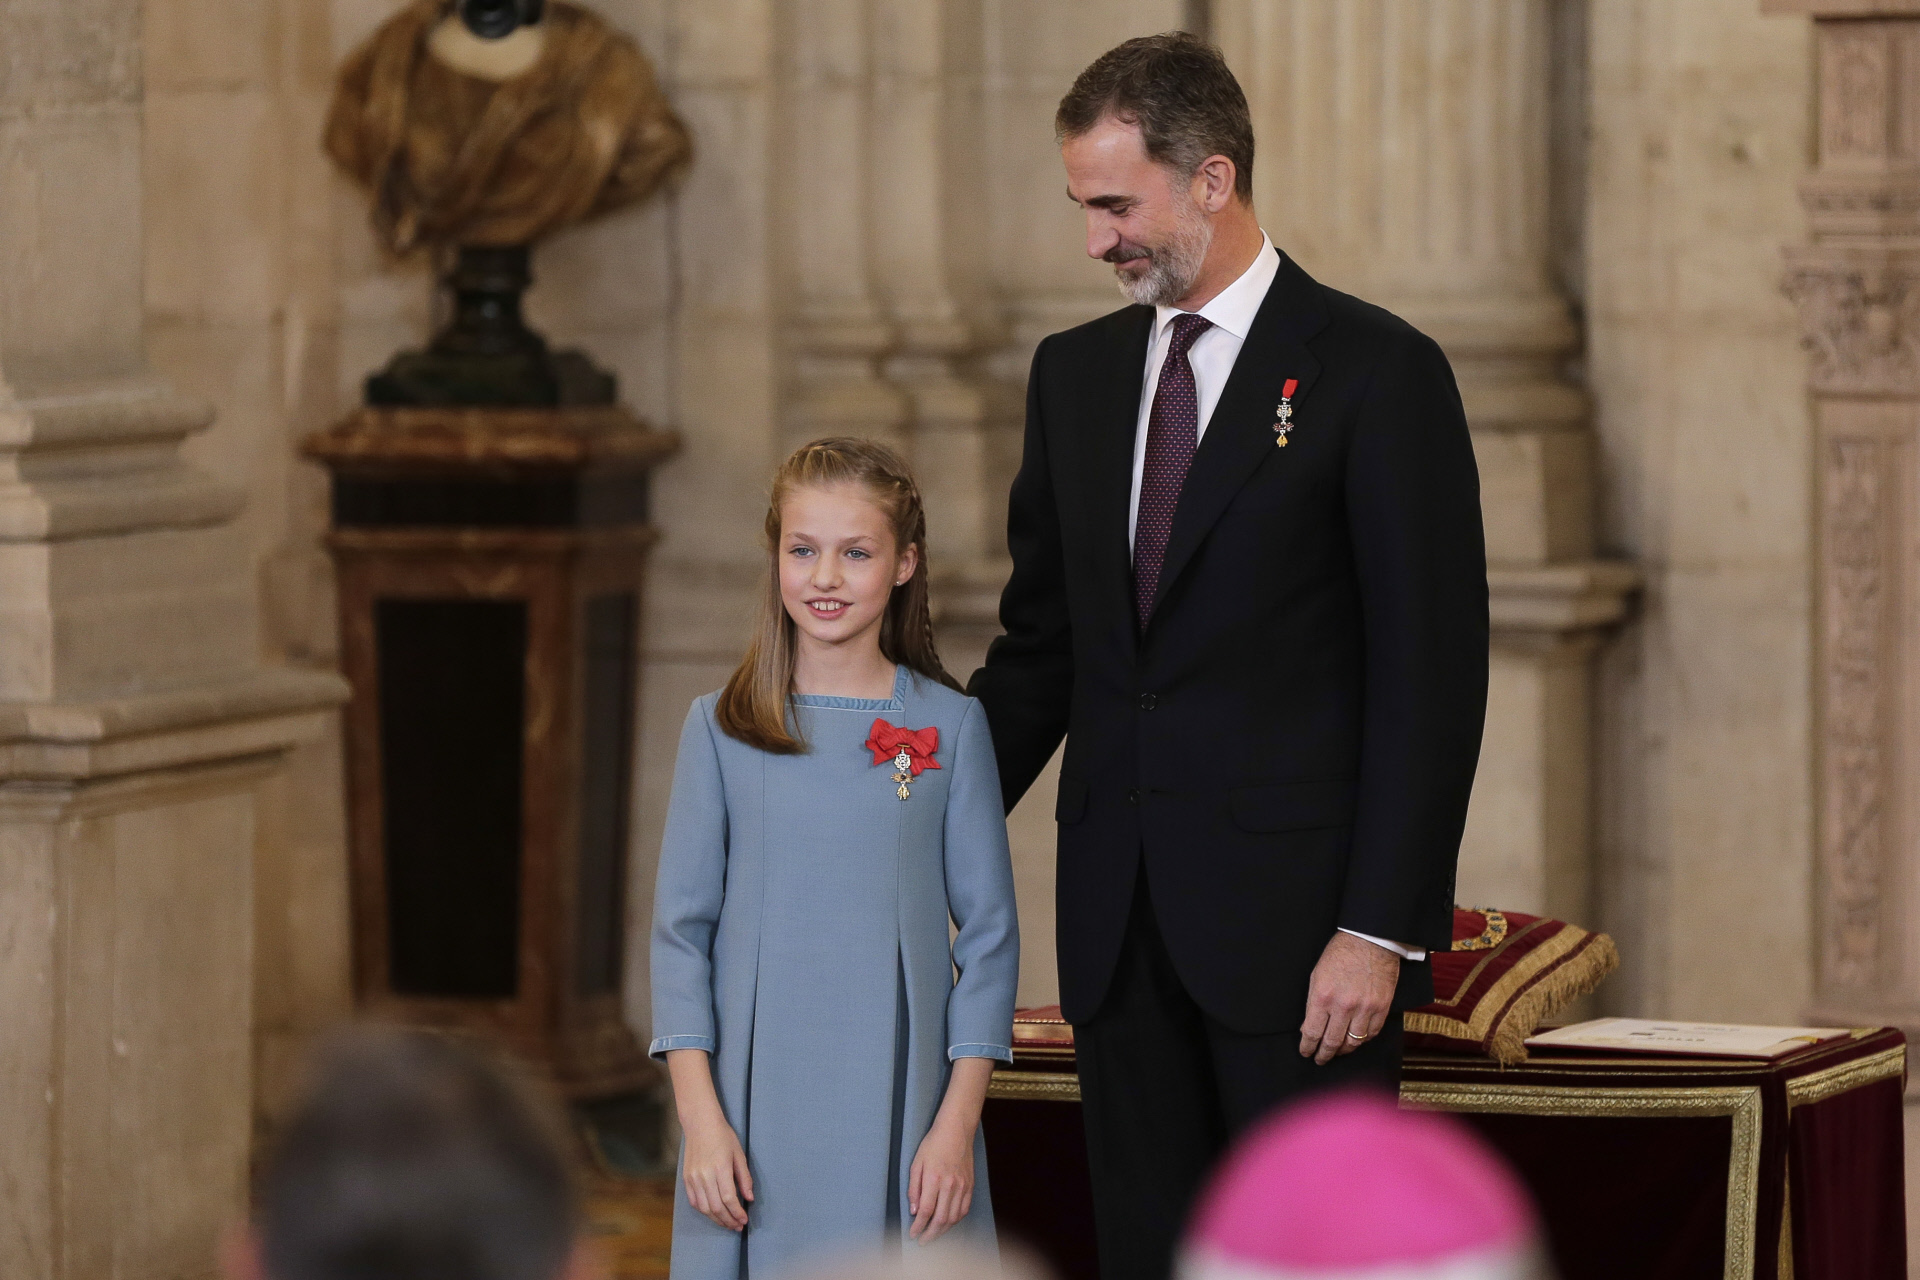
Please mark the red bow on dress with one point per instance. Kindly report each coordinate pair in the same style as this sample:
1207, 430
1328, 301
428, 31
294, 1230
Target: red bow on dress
889, 740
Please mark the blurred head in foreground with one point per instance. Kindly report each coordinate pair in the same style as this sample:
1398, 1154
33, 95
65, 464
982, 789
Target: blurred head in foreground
413, 1157
1347, 1185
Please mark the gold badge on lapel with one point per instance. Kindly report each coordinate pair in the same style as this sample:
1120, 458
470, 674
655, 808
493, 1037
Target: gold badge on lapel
1284, 412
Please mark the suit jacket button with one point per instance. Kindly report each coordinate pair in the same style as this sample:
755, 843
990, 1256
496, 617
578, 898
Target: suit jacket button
1133, 795
1148, 702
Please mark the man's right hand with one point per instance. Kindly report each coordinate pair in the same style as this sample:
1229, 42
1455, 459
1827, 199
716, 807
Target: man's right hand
715, 1166
1349, 998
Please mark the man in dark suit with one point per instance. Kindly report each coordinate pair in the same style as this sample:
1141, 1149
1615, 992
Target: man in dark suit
1249, 589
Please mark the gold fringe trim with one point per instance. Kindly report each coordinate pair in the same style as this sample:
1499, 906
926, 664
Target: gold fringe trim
1579, 974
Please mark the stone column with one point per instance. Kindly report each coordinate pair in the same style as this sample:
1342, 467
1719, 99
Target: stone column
1857, 284
1403, 157
921, 137
136, 724
721, 385
836, 330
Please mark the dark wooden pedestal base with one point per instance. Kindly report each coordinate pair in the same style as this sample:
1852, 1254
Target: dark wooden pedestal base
490, 567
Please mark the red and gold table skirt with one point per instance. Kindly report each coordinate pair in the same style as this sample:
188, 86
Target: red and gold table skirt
1653, 1167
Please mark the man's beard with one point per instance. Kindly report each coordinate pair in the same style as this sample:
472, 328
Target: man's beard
1172, 268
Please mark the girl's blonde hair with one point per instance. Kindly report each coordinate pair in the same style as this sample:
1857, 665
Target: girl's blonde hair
754, 707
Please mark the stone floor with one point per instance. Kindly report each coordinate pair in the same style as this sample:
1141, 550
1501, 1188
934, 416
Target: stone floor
631, 1220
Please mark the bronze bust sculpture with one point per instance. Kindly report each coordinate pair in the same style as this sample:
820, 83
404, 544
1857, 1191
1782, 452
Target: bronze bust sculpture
482, 125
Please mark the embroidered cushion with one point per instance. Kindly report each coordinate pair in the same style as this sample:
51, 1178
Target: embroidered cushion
1506, 973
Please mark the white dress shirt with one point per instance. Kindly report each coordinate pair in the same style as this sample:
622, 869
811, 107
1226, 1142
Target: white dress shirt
1212, 356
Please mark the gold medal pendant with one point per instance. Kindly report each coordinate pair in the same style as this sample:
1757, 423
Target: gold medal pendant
1284, 412
913, 750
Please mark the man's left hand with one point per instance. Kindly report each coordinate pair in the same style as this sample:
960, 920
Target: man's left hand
1349, 998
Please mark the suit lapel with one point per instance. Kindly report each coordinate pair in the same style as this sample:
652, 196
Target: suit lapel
1239, 435
1109, 457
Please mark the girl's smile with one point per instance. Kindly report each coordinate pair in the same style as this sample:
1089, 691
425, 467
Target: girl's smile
839, 562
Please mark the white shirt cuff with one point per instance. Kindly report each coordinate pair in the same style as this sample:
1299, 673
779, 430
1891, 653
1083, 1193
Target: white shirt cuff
1405, 953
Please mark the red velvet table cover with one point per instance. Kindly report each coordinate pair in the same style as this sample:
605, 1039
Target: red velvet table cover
1661, 1168
1667, 1167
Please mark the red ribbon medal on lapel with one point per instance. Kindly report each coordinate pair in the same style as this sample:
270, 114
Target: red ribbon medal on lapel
910, 750
1284, 411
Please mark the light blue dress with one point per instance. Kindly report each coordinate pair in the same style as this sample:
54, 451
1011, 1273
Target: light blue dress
800, 935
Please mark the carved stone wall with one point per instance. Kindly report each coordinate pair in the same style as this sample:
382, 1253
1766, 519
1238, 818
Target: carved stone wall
1698, 115
873, 238
1857, 285
1860, 809
142, 737
243, 313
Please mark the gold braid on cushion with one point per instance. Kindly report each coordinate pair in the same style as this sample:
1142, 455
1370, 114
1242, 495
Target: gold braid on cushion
1573, 961
1490, 937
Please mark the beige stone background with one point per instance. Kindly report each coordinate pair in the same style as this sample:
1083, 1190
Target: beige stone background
1587, 200
1687, 130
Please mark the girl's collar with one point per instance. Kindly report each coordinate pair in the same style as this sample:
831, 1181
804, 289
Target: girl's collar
897, 702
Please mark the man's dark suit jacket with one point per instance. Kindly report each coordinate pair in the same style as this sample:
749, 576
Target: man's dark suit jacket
1290, 743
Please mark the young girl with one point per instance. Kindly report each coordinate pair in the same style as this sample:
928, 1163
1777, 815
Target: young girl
833, 808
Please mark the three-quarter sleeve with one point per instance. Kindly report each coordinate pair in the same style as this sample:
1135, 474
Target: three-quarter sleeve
979, 870
688, 892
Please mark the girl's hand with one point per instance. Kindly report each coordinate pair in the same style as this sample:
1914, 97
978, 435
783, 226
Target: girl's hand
716, 1168
940, 1184
716, 1173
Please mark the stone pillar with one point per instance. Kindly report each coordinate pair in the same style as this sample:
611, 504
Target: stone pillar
720, 384
136, 724
836, 330
916, 200
1403, 157
1857, 285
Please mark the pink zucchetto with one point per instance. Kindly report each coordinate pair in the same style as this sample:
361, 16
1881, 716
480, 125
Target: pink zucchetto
1346, 1186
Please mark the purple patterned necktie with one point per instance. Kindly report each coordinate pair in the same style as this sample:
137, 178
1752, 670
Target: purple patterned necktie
1173, 433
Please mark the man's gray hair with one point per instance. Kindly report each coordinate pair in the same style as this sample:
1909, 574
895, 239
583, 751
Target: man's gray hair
1176, 87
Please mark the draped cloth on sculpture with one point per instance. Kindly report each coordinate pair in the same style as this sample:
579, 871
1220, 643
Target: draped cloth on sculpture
454, 159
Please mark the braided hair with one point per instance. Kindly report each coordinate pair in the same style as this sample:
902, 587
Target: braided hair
754, 707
